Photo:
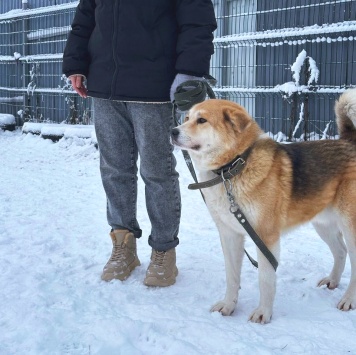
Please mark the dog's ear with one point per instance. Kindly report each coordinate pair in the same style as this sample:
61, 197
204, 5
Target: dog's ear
237, 117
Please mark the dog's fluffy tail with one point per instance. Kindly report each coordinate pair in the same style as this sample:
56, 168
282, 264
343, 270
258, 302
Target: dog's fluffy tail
345, 110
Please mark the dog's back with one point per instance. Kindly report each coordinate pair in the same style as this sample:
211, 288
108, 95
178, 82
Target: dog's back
316, 163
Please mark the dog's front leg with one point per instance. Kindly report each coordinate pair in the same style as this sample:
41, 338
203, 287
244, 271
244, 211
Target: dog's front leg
267, 284
233, 249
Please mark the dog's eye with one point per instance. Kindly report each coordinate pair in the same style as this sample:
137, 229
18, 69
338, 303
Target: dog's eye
201, 120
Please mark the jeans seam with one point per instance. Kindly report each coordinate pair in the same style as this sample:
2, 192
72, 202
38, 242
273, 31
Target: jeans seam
134, 191
174, 178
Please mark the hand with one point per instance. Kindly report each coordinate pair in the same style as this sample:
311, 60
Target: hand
77, 81
179, 79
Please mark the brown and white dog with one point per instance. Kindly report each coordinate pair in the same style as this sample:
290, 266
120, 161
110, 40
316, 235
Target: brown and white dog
280, 186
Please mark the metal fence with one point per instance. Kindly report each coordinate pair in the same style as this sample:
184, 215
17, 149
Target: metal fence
286, 61
32, 41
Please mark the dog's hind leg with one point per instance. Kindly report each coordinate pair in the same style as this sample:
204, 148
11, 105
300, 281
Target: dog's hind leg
330, 233
348, 301
233, 249
267, 284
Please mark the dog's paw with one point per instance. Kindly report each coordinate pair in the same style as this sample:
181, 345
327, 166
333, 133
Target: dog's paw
261, 315
347, 303
225, 308
329, 282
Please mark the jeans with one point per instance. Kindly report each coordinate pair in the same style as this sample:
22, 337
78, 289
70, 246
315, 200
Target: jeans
126, 130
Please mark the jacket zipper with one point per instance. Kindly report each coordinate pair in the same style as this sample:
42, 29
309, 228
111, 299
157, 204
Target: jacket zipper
114, 46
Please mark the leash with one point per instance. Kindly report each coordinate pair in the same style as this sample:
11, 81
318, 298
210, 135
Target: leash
224, 178
186, 96
192, 92
224, 175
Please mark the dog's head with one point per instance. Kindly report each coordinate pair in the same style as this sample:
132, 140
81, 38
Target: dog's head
215, 132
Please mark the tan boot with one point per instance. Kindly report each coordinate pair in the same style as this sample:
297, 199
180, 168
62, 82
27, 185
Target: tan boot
162, 270
123, 258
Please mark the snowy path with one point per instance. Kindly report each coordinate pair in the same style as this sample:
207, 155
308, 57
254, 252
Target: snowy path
54, 242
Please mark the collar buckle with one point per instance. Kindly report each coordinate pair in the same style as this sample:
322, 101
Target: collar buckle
236, 161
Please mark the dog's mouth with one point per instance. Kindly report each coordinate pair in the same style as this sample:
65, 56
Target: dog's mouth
183, 141
179, 144
175, 142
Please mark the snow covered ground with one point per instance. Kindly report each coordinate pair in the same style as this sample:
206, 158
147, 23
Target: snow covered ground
54, 242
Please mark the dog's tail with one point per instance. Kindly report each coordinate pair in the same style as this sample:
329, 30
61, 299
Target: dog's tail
345, 110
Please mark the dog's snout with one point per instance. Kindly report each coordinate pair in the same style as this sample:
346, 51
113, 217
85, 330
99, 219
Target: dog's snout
175, 132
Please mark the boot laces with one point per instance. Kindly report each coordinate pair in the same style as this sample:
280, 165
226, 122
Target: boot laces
158, 258
118, 252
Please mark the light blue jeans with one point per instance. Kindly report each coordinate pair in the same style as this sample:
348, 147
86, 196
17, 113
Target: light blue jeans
125, 130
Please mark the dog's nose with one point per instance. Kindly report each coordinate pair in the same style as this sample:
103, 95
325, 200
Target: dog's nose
175, 132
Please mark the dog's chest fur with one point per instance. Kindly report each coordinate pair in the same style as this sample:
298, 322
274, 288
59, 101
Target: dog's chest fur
219, 206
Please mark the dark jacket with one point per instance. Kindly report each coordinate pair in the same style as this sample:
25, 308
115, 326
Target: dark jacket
132, 49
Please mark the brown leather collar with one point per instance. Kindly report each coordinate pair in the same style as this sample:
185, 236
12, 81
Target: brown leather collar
226, 172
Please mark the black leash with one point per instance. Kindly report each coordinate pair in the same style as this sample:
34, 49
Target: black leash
186, 96
224, 177
255, 237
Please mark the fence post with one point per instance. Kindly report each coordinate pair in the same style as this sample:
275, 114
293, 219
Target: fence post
306, 99
24, 63
293, 115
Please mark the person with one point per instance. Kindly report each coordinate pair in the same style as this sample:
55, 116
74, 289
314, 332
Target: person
130, 56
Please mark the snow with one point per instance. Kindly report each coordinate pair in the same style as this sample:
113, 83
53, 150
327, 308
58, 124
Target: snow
32, 58
48, 32
336, 27
32, 127
7, 58
66, 130
53, 129
301, 119
17, 55
314, 71
288, 88
297, 66
325, 132
6, 119
11, 99
18, 13
54, 243
81, 131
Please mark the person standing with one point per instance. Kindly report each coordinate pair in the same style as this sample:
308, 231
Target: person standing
130, 56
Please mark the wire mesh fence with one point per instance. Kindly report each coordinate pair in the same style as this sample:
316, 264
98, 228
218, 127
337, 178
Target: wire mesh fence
286, 61
32, 86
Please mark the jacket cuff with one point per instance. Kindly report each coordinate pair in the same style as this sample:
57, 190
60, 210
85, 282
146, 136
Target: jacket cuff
201, 74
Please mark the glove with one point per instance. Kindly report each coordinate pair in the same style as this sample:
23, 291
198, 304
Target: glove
179, 79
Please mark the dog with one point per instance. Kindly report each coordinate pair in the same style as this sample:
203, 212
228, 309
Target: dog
279, 187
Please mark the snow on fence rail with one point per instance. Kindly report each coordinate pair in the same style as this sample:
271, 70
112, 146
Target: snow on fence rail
20, 13
332, 28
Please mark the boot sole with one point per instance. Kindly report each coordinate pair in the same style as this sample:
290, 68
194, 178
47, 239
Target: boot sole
123, 276
154, 282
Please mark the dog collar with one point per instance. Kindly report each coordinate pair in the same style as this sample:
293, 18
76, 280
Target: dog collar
226, 172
